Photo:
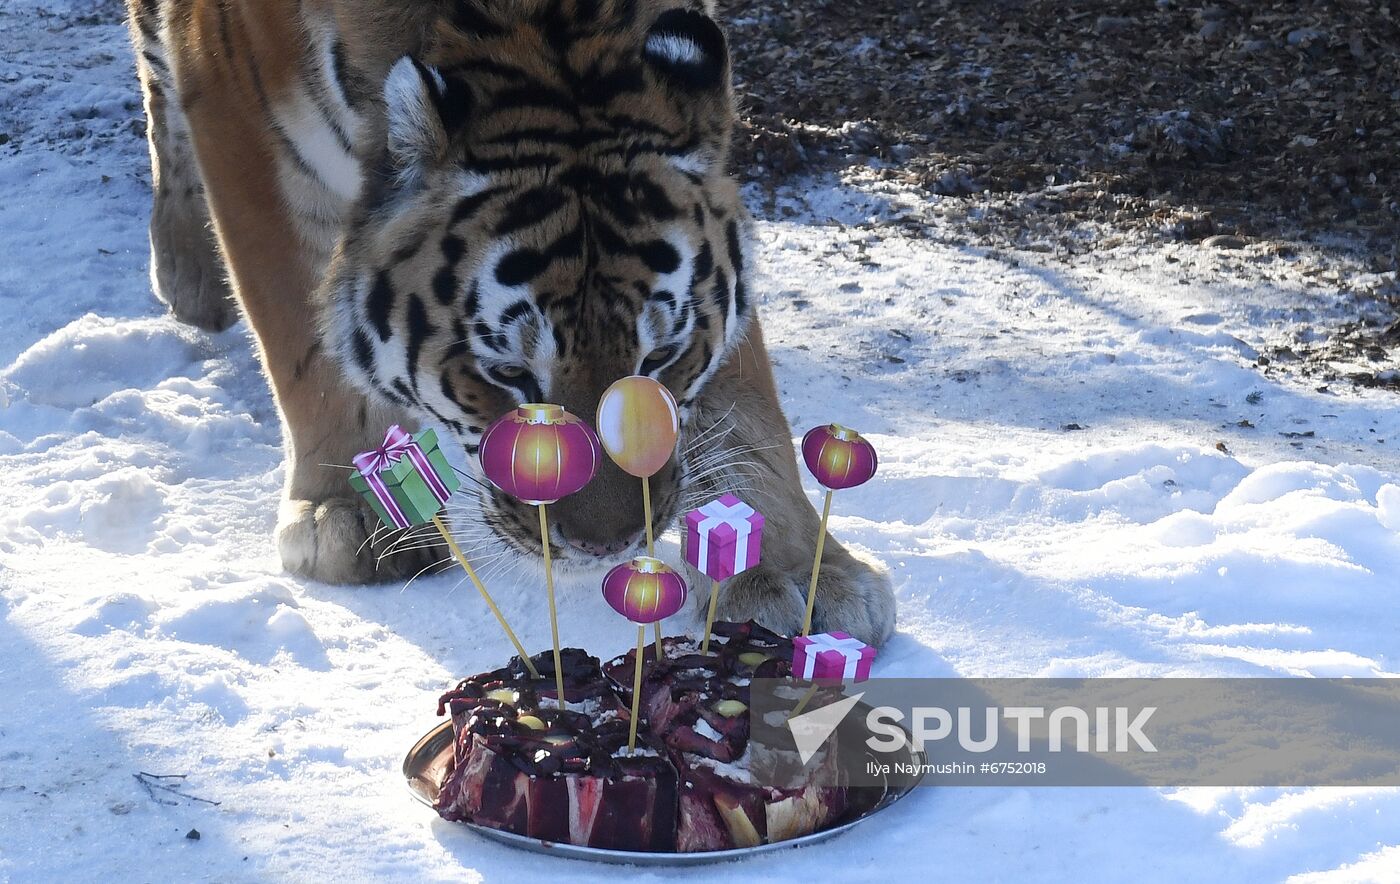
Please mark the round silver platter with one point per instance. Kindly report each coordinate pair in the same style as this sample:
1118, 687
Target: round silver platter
426, 764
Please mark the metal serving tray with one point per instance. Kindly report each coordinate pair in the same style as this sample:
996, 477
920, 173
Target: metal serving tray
426, 764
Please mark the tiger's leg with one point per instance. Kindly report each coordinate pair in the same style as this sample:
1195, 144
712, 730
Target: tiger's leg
852, 595
187, 273
323, 525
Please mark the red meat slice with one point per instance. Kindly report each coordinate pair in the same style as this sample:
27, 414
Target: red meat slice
523, 765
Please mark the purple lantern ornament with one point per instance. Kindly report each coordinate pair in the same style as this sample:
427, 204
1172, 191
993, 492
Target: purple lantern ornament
840, 458
644, 590
540, 453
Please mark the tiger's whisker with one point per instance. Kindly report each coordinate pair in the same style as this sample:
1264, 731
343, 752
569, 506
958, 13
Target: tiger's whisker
424, 570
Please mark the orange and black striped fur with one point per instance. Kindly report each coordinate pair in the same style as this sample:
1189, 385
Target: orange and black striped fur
429, 210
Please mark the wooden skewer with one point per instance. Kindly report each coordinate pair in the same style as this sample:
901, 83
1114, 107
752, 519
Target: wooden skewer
802, 704
553, 613
710, 617
816, 566
646, 508
651, 550
636, 688
486, 596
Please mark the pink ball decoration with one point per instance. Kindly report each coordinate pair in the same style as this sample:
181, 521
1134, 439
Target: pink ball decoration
644, 590
838, 456
539, 453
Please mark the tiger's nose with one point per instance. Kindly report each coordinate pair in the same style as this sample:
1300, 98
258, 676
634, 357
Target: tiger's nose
600, 549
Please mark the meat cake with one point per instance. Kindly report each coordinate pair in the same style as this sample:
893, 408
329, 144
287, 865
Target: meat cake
523, 765
697, 705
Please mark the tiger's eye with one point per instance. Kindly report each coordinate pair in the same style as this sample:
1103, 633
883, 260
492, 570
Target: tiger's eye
510, 372
657, 358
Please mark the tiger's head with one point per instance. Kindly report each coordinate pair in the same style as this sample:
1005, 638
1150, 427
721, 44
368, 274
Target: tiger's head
548, 210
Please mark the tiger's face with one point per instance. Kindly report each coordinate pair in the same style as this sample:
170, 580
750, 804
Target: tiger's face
548, 211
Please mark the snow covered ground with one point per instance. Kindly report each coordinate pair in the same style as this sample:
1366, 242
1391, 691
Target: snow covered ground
1203, 520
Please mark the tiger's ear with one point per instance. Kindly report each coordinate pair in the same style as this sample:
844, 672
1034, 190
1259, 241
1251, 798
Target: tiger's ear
423, 110
689, 50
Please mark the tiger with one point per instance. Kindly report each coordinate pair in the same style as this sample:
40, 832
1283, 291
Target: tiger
428, 211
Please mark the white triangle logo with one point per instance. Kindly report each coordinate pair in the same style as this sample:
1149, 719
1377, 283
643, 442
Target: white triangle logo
811, 729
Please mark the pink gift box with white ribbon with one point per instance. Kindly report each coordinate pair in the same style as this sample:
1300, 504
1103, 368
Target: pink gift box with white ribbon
723, 537
831, 656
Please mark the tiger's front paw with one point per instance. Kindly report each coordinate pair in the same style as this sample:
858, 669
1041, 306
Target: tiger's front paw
330, 541
852, 597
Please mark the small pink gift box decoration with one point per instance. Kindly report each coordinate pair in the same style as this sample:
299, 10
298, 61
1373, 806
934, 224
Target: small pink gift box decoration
723, 537
833, 656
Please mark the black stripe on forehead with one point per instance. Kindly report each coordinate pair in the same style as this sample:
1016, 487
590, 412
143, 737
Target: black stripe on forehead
531, 96
530, 208
585, 11
469, 206
524, 264
471, 19
603, 88
659, 256
653, 199
562, 135
476, 68
510, 161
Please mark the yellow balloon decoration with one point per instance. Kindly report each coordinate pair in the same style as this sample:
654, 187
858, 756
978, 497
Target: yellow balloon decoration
638, 423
